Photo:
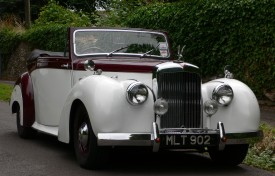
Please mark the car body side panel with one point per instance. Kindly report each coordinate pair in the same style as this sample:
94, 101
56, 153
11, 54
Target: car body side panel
242, 114
51, 87
107, 106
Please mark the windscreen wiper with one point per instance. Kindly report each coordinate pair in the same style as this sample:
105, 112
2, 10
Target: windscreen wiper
116, 50
147, 52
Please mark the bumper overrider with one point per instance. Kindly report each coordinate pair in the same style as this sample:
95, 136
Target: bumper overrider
180, 138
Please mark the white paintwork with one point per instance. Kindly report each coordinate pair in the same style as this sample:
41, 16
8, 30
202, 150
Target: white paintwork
145, 78
51, 88
104, 97
46, 129
16, 96
107, 106
242, 115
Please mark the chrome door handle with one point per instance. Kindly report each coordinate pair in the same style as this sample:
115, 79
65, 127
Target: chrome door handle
65, 65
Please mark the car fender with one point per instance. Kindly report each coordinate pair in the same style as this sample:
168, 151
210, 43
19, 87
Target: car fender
22, 96
242, 114
105, 101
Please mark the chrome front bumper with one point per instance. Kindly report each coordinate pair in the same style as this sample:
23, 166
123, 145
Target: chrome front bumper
153, 139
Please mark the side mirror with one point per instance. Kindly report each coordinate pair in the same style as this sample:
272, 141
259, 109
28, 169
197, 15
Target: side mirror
89, 65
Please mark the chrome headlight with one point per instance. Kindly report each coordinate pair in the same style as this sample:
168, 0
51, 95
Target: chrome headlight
210, 107
161, 106
137, 93
223, 94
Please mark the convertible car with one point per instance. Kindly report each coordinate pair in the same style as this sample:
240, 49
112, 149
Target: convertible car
126, 87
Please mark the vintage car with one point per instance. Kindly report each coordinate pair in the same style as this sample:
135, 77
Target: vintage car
125, 87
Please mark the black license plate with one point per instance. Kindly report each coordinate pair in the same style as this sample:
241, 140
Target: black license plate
183, 140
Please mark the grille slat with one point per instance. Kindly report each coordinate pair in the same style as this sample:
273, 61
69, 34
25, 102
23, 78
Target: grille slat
182, 90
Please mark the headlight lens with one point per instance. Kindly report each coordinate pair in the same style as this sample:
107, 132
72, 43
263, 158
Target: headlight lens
137, 93
223, 94
210, 107
161, 106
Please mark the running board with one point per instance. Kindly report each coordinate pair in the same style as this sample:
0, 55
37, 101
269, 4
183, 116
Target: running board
51, 130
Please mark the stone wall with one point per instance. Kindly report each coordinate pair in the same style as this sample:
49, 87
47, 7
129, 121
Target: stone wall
17, 62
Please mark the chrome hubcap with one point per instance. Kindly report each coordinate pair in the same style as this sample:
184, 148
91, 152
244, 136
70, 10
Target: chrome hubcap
83, 137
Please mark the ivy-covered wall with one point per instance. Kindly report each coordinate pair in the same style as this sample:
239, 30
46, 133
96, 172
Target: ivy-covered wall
216, 33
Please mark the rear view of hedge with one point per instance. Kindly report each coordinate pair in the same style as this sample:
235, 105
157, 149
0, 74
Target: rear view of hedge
220, 32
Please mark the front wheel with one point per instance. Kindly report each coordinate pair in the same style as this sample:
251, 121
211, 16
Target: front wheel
87, 152
232, 155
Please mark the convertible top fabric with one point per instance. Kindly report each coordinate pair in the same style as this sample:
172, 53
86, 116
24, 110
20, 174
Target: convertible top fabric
42, 53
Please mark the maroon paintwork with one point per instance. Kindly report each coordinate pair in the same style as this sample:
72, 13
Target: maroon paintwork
28, 99
114, 64
119, 64
49, 62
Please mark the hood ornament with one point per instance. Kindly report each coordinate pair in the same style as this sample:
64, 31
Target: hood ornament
180, 52
227, 72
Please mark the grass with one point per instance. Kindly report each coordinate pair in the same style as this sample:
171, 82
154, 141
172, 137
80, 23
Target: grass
261, 155
5, 92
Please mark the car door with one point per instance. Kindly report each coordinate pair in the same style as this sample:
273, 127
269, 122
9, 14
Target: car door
51, 83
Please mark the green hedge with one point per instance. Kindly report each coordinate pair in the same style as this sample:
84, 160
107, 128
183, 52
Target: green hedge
220, 32
49, 31
53, 13
9, 40
50, 37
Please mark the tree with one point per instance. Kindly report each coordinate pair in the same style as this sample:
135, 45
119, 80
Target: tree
27, 13
16, 8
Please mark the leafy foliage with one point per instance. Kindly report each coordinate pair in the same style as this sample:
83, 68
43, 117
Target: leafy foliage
49, 37
50, 30
219, 32
53, 13
262, 154
9, 40
16, 7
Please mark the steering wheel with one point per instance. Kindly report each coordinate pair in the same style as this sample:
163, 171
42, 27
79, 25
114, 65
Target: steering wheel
92, 50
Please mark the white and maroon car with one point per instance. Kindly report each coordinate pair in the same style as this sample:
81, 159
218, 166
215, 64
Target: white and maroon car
123, 87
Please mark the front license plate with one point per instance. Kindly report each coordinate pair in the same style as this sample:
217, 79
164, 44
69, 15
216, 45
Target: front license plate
178, 140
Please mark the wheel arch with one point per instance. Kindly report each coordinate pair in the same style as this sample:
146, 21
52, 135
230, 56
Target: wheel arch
23, 97
15, 107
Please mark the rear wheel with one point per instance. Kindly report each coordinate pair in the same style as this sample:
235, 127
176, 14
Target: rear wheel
88, 154
232, 155
24, 132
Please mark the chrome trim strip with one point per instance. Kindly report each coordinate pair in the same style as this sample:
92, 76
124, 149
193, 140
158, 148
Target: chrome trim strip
147, 139
244, 138
156, 137
119, 30
222, 135
125, 139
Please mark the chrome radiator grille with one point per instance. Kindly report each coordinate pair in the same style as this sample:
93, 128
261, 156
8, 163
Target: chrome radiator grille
182, 90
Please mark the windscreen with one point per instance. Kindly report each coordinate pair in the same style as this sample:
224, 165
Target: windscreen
123, 42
